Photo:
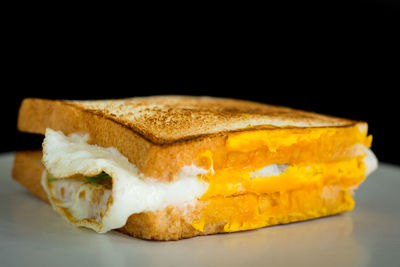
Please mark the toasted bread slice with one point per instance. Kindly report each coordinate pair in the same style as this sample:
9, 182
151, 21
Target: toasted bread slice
171, 223
28, 170
165, 120
161, 134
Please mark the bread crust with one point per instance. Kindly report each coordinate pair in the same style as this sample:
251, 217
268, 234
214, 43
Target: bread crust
142, 139
28, 170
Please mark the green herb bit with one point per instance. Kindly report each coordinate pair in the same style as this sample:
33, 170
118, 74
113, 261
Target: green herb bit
51, 179
98, 177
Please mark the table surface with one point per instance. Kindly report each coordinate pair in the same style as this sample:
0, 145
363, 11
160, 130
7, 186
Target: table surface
31, 233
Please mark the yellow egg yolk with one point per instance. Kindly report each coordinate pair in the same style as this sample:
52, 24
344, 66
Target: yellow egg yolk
324, 166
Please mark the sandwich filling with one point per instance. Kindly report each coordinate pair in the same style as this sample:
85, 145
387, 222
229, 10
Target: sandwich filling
257, 180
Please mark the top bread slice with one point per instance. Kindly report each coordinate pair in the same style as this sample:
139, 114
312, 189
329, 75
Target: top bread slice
161, 134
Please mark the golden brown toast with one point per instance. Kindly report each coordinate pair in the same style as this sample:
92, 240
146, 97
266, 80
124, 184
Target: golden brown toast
161, 134
171, 223
231, 139
27, 170
164, 120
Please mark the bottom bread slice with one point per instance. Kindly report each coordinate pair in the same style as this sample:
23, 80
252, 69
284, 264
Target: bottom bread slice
212, 216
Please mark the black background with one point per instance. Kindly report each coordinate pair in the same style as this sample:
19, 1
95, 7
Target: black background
337, 59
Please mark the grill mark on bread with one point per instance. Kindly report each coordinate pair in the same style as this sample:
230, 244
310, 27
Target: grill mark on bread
162, 142
194, 118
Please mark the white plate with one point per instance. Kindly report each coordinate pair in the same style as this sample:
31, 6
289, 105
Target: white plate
31, 234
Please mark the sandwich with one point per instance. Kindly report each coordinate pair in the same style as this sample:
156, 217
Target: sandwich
174, 167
